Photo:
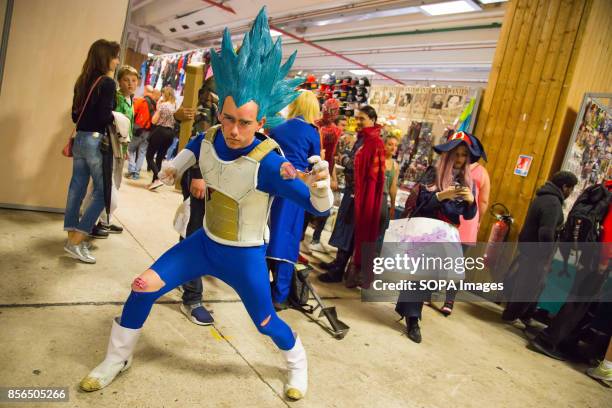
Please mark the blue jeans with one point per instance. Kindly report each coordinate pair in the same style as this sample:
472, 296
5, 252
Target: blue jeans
172, 150
137, 151
86, 163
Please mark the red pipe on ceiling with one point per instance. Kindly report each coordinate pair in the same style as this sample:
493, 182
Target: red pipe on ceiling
335, 54
310, 43
221, 6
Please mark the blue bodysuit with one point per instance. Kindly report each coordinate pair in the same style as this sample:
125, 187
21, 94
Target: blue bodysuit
243, 268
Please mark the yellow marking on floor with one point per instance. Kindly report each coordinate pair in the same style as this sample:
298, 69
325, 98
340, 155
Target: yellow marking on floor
218, 336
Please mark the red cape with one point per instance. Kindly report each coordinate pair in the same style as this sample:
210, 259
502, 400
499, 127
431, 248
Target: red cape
369, 185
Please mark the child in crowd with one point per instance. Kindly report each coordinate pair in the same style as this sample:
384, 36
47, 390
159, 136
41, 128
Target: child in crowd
144, 109
128, 82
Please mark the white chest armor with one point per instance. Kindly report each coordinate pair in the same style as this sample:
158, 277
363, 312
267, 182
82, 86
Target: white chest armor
236, 212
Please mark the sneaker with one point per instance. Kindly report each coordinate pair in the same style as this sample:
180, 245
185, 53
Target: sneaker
111, 229
600, 372
198, 314
517, 323
317, 247
533, 323
128, 175
447, 309
135, 176
155, 185
80, 252
98, 233
541, 346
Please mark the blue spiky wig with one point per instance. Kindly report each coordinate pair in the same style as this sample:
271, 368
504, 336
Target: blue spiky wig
255, 73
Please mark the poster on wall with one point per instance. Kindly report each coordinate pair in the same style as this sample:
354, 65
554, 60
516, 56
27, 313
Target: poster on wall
420, 99
389, 101
523, 164
376, 95
404, 101
446, 104
589, 151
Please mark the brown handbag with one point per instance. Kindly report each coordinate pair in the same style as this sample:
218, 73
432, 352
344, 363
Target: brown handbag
67, 150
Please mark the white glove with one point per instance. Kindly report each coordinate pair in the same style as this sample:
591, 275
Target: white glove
167, 174
319, 184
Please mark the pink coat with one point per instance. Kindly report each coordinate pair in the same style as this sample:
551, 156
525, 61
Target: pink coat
468, 229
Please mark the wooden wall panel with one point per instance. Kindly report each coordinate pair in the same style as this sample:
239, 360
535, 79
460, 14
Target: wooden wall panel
133, 58
590, 73
47, 46
540, 72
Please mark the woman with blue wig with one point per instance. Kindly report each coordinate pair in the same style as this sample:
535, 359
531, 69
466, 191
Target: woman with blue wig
243, 172
298, 137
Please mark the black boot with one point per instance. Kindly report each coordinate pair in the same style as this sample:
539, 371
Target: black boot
413, 330
333, 276
337, 269
328, 265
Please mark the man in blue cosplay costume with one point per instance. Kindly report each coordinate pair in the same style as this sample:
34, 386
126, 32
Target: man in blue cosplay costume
243, 172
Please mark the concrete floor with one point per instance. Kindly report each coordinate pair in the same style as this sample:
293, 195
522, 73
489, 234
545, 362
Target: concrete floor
55, 315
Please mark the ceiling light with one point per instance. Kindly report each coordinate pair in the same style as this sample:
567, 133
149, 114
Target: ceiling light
450, 7
491, 1
275, 33
361, 72
367, 16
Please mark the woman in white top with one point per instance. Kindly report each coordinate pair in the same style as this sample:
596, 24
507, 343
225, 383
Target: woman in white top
162, 135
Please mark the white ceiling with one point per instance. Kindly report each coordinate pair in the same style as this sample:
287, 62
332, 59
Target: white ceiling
390, 36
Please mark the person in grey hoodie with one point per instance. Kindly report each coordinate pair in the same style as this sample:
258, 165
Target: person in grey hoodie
525, 283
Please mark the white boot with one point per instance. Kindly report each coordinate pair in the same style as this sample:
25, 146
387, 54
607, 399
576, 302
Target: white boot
118, 358
297, 368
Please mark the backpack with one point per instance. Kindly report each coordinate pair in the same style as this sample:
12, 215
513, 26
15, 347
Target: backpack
410, 206
151, 105
584, 221
411, 201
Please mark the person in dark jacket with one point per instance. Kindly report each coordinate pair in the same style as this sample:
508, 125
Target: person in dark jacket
564, 329
194, 187
536, 247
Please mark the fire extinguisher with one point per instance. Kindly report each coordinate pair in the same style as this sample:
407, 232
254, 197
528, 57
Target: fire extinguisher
499, 233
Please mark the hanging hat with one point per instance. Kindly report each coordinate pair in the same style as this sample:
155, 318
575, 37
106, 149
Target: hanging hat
362, 91
473, 144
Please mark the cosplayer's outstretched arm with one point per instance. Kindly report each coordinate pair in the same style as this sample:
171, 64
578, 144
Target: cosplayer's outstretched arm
316, 199
183, 161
